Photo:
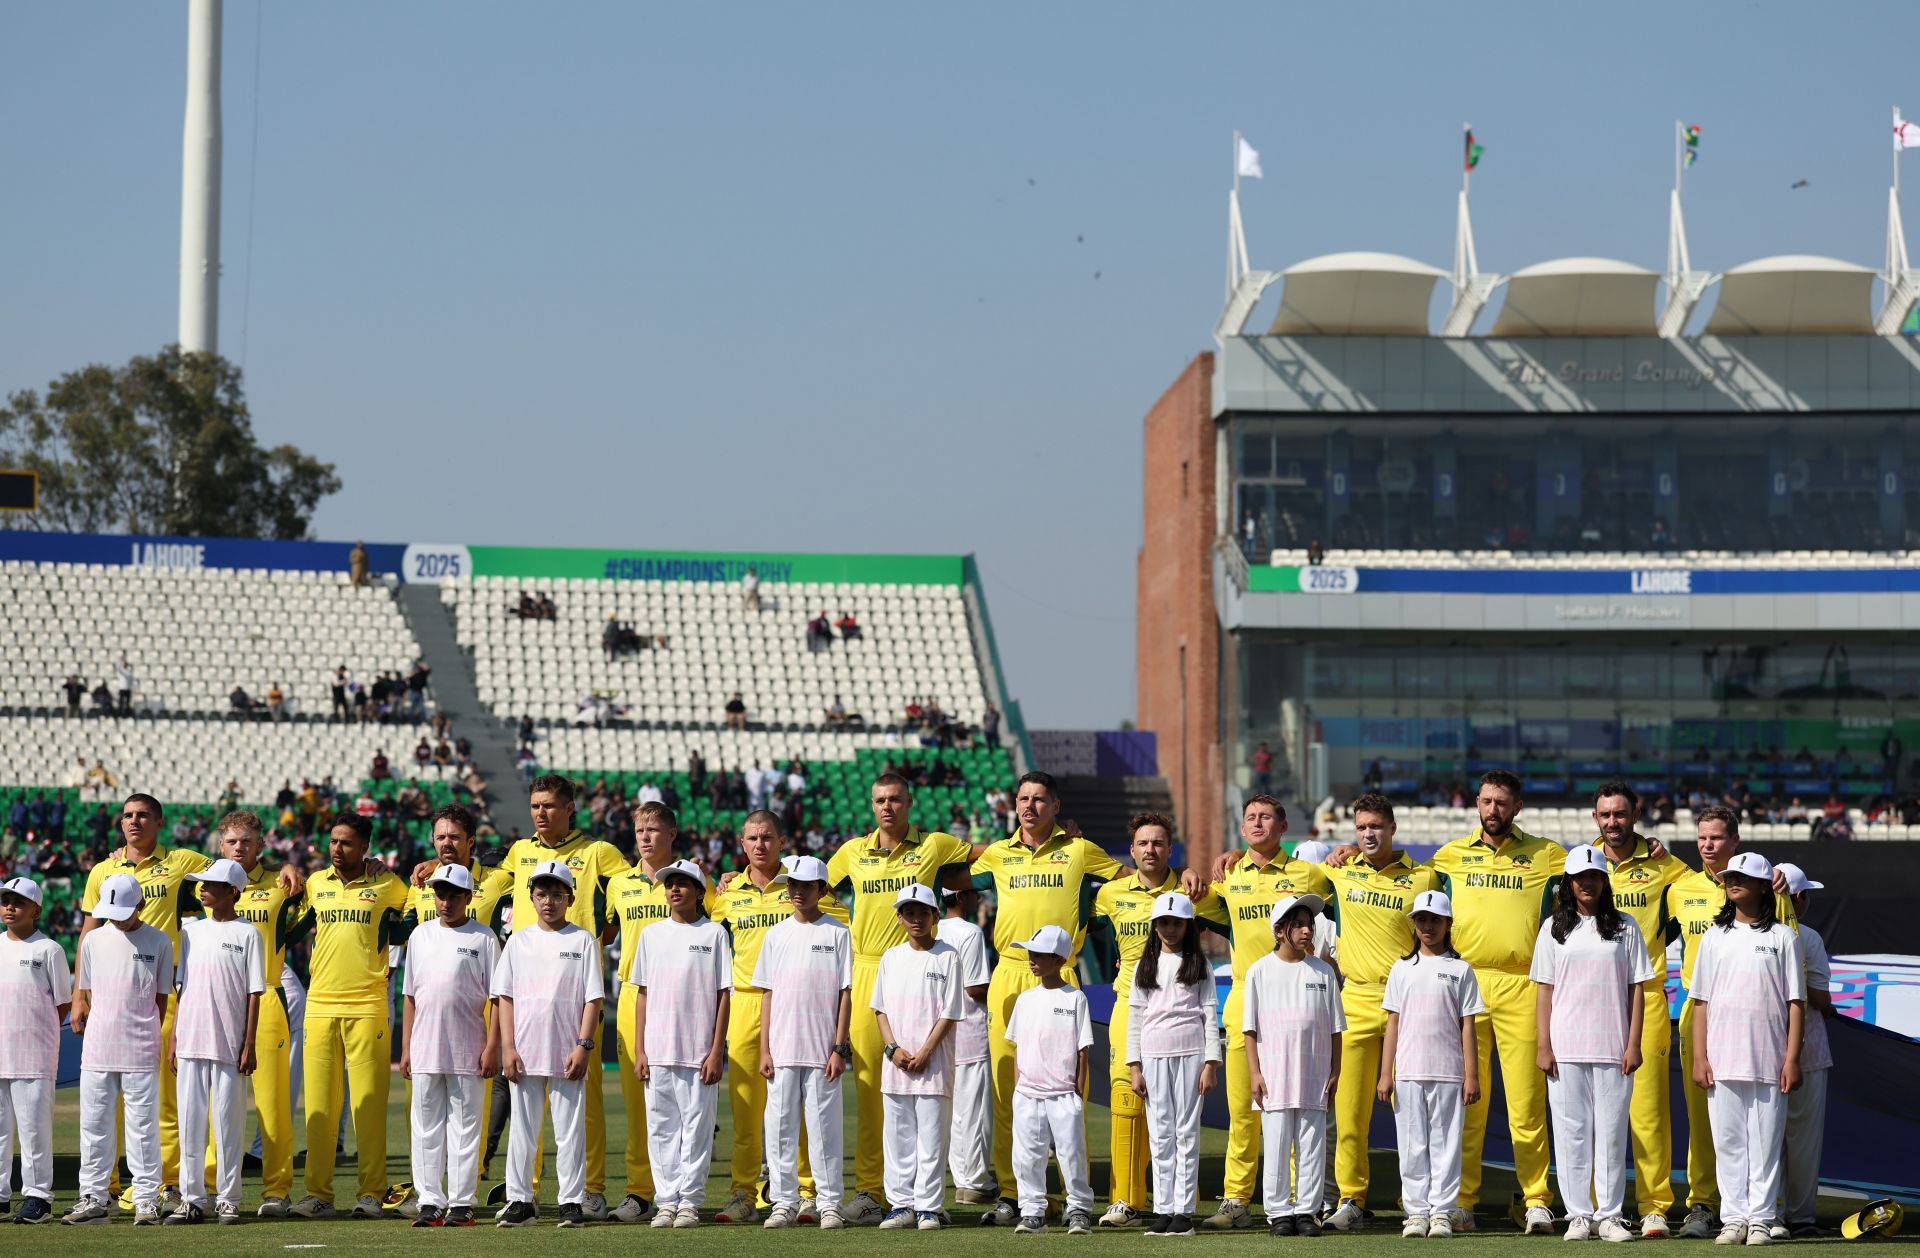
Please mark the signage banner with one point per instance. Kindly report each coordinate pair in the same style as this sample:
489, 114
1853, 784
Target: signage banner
1291, 579
190, 553
718, 567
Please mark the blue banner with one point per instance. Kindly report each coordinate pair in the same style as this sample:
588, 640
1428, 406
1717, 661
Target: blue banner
1651, 581
192, 553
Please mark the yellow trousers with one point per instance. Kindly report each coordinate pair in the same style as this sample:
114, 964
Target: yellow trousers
272, 1100
869, 1168
633, 1096
1650, 1112
1127, 1138
1703, 1184
1243, 1121
359, 1046
1011, 977
1509, 1024
747, 1093
1353, 1098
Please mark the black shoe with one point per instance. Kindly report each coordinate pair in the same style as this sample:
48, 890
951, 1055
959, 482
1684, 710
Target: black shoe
459, 1216
6, 1206
571, 1215
1282, 1226
1157, 1224
1182, 1225
34, 1210
251, 1162
519, 1214
1305, 1225
429, 1216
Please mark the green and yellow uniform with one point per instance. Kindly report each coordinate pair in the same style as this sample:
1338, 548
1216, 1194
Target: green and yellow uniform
354, 922
265, 903
1242, 904
166, 893
1501, 893
749, 911
594, 864
867, 874
1370, 911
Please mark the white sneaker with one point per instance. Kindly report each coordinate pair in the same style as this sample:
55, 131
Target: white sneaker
410, 1208
634, 1209
738, 1209
687, 1216
666, 1217
1615, 1230
1440, 1227
1350, 1216
86, 1210
594, 1207
1732, 1234
809, 1211
1003, 1213
226, 1212
367, 1207
1779, 1232
1539, 1221
314, 1208
146, 1213
1232, 1214
781, 1216
1757, 1235
1416, 1225
1654, 1227
864, 1210
1579, 1227
831, 1218
273, 1208
171, 1202
1119, 1214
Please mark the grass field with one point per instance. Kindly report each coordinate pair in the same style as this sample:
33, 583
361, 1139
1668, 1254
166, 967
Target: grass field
348, 1236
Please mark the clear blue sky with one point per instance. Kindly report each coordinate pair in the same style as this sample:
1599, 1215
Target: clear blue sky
728, 276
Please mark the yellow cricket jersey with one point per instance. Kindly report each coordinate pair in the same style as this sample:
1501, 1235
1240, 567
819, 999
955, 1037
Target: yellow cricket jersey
165, 891
1052, 884
1640, 891
869, 875
353, 924
593, 863
749, 912
1500, 896
1694, 902
1243, 901
265, 903
492, 894
1128, 904
636, 902
1370, 909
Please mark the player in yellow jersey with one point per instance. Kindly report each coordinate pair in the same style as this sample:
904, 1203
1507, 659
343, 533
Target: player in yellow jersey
867, 873
355, 915
749, 905
1371, 898
1127, 905
1642, 873
1243, 896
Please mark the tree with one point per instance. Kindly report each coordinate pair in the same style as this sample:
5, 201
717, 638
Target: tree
163, 445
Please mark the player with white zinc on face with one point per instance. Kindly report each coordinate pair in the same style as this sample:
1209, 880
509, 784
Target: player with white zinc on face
36, 990
1173, 1054
1051, 1032
917, 997
1591, 967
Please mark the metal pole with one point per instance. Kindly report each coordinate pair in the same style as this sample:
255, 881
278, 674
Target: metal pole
200, 183
1679, 154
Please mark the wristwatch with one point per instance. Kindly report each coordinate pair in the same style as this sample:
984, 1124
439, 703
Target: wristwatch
586, 1044
889, 1051
845, 1051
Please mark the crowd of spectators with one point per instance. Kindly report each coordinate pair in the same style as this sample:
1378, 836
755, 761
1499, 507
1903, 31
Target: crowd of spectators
111, 696
534, 607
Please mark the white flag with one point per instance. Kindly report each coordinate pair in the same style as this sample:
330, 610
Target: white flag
1906, 135
1247, 166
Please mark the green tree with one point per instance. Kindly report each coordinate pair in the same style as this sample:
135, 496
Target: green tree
163, 445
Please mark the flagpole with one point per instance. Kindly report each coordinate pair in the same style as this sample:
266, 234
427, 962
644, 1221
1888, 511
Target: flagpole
1896, 149
1679, 155
1466, 171
1236, 164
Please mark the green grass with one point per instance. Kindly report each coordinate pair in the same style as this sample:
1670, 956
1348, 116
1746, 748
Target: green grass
351, 1237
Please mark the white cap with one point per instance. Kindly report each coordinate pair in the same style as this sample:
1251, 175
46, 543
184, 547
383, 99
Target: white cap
1288, 904
916, 893
457, 876
1048, 938
1797, 880
1435, 902
1173, 904
1586, 859
25, 888
1312, 851
1752, 864
120, 898
555, 870
686, 869
804, 869
222, 870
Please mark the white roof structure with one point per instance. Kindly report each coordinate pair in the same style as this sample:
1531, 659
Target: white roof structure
1356, 294
1578, 297
1794, 295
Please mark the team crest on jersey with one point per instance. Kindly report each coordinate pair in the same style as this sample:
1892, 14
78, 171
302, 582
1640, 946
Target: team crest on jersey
911, 858
1059, 858
368, 895
1639, 875
1523, 862
1403, 882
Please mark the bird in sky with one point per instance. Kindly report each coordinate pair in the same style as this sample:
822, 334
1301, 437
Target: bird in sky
1802, 183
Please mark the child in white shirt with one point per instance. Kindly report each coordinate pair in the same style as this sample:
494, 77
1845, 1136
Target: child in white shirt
1292, 1022
221, 975
917, 1000
1429, 1064
126, 973
1591, 967
683, 967
1051, 1032
550, 991
36, 991
1174, 1054
970, 1144
1807, 1104
448, 1048
805, 968
1749, 993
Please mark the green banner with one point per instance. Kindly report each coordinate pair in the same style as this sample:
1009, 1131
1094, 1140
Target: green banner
672, 565
1266, 580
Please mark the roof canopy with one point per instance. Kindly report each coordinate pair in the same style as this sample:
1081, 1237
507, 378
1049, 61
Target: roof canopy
1356, 294
1578, 297
1794, 295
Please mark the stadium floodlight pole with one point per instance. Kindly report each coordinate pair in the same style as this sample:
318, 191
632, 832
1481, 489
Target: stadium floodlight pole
200, 183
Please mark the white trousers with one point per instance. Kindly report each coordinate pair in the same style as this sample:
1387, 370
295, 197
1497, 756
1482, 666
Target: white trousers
680, 1112
798, 1095
26, 1106
533, 1093
970, 1146
1056, 1124
210, 1093
1749, 1127
1591, 1137
1806, 1133
915, 1140
1296, 1140
1427, 1116
446, 1138
99, 1090
1173, 1131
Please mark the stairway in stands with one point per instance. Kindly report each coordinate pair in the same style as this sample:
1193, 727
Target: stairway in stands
492, 739
1101, 806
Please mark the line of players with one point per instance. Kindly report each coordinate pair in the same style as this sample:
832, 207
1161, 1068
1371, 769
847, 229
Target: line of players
1500, 878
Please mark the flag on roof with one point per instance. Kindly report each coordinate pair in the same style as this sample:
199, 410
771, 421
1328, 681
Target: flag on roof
1247, 160
1906, 135
1474, 150
1693, 143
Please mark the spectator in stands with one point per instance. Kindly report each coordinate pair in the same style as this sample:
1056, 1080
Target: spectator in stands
242, 703
819, 633
123, 676
1262, 769
382, 768
358, 568
417, 689
696, 771
442, 754
276, 702
1796, 814
737, 709
76, 690
365, 806
914, 713
100, 779
526, 729
610, 638
526, 609
382, 689
750, 591
462, 749
423, 753
357, 692
649, 793
849, 627
1316, 553
527, 763
1661, 538
990, 725
544, 607
337, 683
837, 714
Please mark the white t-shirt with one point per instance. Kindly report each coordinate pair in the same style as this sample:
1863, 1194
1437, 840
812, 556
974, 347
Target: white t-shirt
1592, 980
550, 975
1431, 995
449, 974
1048, 1027
803, 967
221, 965
124, 973
1175, 1019
1746, 977
1294, 1008
915, 990
970, 1037
684, 966
34, 983
1816, 1053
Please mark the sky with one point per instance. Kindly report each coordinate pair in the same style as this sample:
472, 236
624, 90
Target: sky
857, 277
